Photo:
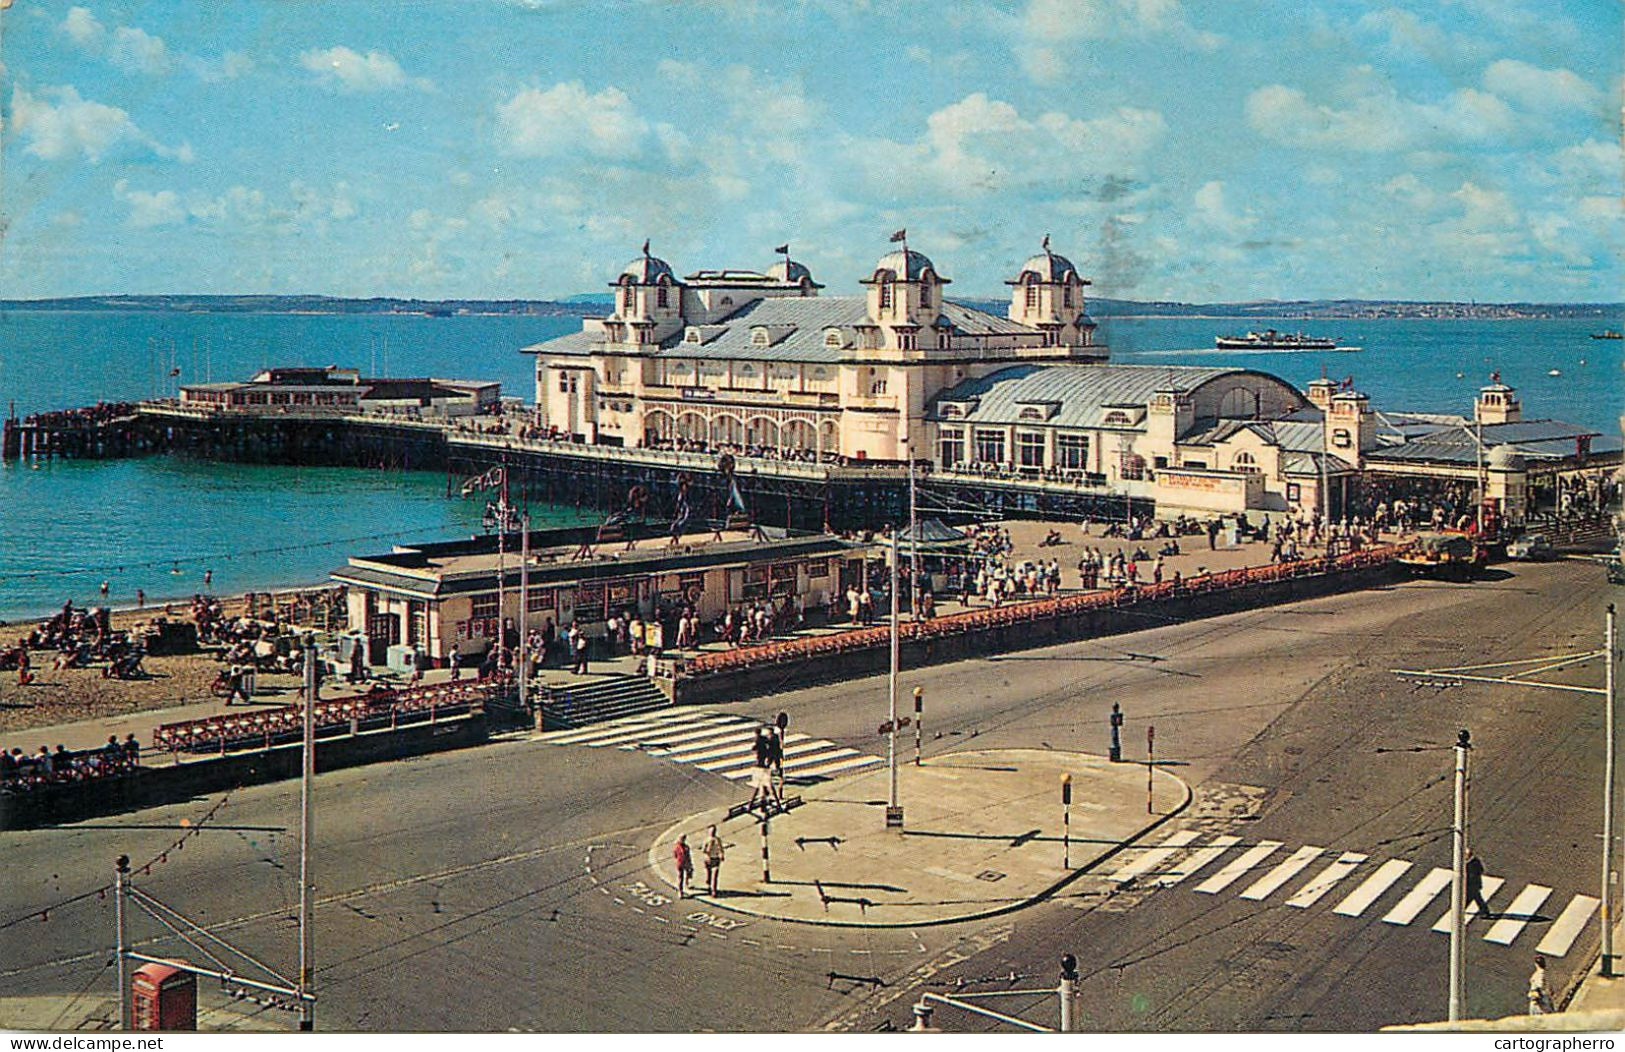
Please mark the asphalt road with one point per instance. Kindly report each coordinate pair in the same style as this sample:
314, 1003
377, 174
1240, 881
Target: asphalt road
502, 887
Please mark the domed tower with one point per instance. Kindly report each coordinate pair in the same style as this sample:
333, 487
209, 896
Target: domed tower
787, 271
905, 299
1048, 295
1497, 403
648, 302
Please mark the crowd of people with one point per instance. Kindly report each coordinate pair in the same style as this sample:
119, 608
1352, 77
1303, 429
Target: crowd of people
78, 638
20, 770
100, 413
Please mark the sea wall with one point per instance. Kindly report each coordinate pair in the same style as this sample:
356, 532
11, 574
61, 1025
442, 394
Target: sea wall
151, 786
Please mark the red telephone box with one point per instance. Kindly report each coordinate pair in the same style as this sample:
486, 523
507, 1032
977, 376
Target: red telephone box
163, 997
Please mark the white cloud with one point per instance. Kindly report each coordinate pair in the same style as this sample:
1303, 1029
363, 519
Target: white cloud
1210, 209
70, 125
349, 70
1378, 120
82, 28
1044, 32
149, 208
1542, 90
137, 51
567, 117
982, 145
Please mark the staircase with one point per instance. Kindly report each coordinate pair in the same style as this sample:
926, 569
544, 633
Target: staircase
607, 699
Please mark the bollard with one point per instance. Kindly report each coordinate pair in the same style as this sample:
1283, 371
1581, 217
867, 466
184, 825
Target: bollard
919, 720
1150, 765
922, 1019
1117, 726
767, 873
1069, 993
1066, 821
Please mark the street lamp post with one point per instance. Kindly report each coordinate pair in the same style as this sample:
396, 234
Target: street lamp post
1610, 747
1458, 880
894, 809
307, 1006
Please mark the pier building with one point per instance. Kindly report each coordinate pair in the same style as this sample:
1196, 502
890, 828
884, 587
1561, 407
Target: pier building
340, 390
444, 596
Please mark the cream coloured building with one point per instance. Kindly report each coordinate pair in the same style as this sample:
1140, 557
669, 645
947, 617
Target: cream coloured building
748, 359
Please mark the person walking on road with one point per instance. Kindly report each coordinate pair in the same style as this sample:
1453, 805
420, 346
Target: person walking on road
714, 853
685, 864
456, 663
1475, 884
579, 643
761, 780
1540, 998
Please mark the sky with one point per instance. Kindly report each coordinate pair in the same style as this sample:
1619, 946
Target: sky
1207, 150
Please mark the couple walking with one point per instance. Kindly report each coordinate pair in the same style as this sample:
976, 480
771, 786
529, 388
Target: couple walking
713, 853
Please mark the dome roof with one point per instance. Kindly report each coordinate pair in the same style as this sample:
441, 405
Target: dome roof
647, 269
1504, 458
906, 265
1048, 267
790, 272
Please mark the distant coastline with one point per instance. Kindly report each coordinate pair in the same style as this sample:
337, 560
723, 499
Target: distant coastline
590, 303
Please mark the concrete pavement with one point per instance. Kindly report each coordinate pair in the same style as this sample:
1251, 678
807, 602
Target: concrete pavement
983, 835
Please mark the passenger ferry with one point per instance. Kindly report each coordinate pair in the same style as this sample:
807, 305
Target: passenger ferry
1270, 340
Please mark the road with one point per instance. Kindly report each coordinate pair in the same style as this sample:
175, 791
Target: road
504, 888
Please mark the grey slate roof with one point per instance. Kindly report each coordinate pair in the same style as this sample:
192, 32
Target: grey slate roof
1305, 463
906, 266
1048, 266
1293, 435
795, 327
1532, 439
1082, 391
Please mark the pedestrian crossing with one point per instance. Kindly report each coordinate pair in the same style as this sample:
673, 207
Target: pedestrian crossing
1351, 882
714, 742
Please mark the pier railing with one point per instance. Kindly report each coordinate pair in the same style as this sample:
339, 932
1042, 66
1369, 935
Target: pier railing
264, 728
810, 647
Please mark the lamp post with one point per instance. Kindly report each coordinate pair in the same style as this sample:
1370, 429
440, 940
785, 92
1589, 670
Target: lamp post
894, 809
1458, 880
307, 1006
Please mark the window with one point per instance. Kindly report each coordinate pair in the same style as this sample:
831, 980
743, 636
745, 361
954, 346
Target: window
1244, 462
951, 447
483, 606
1072, 451
747, 370
885, 295
626, 299
832, 337
693, 336
989, 445
758, 337
818, 568
1030, 412
541, 599
590, 602
925, 294
662, 297
1032, 295
908, 340
755, 582
1116, 418
1066, 295
1030, 449
1132, 467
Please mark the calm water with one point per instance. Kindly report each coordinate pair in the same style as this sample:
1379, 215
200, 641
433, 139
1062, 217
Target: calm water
65, 527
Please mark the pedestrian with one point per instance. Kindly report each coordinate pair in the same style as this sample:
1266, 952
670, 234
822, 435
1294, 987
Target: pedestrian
761, 785
140, 599
685, 864
581, 645
1117, 727
456, 663
775, 761
713, 852
1475, 884
1540, 998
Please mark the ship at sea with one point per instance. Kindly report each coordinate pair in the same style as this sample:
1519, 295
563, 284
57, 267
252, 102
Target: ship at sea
1270, 340
1608, 334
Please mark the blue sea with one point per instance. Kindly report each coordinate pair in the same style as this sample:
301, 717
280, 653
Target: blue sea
158, 524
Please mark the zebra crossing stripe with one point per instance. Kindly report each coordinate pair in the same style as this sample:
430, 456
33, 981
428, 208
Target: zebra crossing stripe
572, 735
1197, 860
1238, 866
839, 765
1265, 886
1516, 916
641, 733
673, 750
1386, 876
747, 757
676, 736
1416, 900
1326, 879
1491, 886
823, 755
1153, 858
1560, 938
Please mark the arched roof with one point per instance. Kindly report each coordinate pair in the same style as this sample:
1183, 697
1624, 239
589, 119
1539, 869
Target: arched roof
790, 272
1081, 393
647, 269
1046, 267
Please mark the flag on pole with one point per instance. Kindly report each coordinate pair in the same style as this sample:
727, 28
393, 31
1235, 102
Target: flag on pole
783, 250
901, 235
646, 246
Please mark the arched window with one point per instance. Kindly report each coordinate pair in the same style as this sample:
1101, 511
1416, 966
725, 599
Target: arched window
1244, 462
885, 295
1066, 295
1032, 294
925, 293
626, 299
662, 298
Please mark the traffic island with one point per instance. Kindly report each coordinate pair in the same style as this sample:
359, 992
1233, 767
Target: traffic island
985, 832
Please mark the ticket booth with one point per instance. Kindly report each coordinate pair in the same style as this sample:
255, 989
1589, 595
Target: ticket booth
163, 997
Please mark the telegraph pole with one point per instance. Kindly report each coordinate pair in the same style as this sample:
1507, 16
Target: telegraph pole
307, 1006
524, 611
1609, 906
894, 809
1458, 881
122, 887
